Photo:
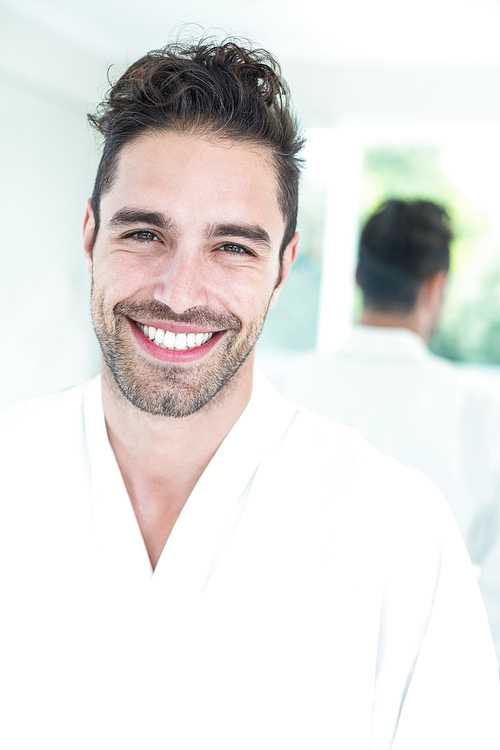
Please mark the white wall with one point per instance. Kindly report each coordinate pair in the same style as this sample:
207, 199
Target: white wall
47, 158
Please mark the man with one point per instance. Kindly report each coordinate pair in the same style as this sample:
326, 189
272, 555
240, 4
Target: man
193, 561
412, 405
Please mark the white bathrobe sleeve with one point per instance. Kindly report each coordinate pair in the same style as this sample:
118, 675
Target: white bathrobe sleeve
452, 698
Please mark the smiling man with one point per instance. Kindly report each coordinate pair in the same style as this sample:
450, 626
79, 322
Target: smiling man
190, 560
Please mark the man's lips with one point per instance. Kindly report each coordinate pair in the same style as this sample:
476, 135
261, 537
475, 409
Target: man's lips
175, 340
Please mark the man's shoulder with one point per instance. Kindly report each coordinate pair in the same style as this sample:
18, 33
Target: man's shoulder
472, 394
327, 479
327, 444
43, 414
334, 452
43, 453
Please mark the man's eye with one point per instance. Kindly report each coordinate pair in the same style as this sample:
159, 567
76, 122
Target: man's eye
144, 236
235, 249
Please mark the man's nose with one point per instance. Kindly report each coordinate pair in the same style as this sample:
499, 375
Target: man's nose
183, 283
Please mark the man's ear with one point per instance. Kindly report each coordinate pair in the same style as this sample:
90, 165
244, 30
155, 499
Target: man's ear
288, 260
433, 289
88, 235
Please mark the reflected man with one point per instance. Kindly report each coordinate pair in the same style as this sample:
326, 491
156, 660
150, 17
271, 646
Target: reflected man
416, 407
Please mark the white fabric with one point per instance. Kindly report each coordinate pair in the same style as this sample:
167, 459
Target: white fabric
425, 412
313, 594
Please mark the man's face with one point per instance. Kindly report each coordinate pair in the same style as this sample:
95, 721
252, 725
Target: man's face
187, 250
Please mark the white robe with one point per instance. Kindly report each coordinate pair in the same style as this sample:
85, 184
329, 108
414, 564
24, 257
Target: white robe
424, 411
312, 594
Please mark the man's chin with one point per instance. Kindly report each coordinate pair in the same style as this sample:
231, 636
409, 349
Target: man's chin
168, 389
173, 391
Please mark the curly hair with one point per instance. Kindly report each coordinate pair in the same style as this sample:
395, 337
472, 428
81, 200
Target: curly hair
223, 90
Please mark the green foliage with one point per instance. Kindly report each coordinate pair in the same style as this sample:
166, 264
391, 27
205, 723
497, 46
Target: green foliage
293, 323
402, 172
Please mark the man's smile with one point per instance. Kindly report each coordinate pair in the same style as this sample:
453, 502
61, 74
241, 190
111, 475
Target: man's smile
177, 346
178, 341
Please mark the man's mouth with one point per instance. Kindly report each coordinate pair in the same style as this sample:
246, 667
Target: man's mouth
177, 341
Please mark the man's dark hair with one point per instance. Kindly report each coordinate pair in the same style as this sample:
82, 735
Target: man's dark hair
402, 244
222, 90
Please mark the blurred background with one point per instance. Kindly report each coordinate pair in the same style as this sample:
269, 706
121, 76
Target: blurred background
398, 100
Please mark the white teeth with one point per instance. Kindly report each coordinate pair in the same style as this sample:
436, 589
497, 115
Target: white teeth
179, 341
169, 340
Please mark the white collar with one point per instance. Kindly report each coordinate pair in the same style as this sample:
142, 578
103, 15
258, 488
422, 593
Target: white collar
210, 512
385, 342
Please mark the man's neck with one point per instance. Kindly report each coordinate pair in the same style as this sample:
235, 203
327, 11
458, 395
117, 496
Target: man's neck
412, 321
162, 458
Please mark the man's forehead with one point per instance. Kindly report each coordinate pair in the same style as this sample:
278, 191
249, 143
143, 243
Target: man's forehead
198, 147
156, 164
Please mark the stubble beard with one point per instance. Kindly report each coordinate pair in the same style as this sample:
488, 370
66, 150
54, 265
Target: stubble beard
164, 388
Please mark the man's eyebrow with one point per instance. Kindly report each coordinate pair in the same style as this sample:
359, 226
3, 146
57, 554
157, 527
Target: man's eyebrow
126, 216
254, 233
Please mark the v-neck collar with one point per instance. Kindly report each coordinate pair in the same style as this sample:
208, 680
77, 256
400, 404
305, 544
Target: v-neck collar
119, 536
211, 511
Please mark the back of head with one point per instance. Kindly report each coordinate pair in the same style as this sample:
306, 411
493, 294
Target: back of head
402, 244
223, 90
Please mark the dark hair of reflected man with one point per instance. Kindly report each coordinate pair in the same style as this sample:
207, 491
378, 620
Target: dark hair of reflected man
402, 244
222, 90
